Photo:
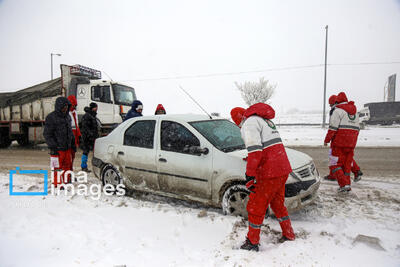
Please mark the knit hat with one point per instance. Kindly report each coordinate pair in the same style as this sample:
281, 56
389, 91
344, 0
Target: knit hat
92, 105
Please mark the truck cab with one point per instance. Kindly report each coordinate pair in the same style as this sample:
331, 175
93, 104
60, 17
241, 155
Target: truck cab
113, 100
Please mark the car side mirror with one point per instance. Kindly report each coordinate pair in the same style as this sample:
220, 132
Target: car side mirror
196, 150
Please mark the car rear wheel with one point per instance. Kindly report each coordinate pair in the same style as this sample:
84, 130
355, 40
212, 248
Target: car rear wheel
234, 200
110, 175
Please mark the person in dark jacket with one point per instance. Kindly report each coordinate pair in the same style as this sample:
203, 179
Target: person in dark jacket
60, 140
135, 111
89, 133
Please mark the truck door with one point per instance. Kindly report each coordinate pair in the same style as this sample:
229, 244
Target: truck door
179, 171
138, 155
101, 95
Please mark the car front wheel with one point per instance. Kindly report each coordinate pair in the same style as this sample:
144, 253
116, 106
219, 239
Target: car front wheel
234, 200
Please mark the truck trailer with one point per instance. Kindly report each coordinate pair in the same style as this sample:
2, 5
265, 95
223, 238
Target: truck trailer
383, 113
22, 113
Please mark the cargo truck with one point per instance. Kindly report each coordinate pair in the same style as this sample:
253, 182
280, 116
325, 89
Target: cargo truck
22, 113
383, 113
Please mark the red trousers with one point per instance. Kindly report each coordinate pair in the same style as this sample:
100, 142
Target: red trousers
343, 167
333, 161
65, 162
268, 191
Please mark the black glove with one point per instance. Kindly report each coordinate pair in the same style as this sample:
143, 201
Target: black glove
251, 183
53, 152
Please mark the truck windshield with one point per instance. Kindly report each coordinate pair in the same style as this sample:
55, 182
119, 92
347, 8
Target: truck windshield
223, 134
123, 95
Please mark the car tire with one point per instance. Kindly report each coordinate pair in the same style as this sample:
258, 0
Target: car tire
110, 175
234, 200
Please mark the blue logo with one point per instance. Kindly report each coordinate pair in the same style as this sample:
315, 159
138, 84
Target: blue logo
17, 170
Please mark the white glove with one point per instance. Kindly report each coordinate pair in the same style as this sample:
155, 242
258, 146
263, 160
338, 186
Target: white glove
54, 162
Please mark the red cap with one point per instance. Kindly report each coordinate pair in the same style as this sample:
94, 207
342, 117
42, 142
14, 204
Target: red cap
237, 115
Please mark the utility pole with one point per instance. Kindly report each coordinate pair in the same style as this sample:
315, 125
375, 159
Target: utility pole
326, 58
51, 59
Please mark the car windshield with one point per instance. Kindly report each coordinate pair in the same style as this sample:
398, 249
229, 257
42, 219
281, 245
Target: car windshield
123, 95
223, 134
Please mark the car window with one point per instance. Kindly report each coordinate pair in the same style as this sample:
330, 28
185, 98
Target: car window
140, 134
223, 134
177, 138
101, 93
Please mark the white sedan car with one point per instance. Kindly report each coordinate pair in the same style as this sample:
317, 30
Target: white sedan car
192, 157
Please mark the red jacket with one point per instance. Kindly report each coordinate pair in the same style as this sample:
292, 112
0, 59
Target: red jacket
266, 154
343, 124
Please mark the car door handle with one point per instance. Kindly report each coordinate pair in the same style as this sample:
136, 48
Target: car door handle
121, 153
162, 160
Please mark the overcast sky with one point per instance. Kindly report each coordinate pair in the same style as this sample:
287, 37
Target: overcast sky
134, 41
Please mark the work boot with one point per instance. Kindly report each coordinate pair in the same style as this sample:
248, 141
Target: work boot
86, 170
344, 189
357, 176
329, 178
247, 245
283, 239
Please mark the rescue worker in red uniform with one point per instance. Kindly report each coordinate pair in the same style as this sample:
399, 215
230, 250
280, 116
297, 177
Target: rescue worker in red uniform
74, 124
267, 170
342, 134
355, 169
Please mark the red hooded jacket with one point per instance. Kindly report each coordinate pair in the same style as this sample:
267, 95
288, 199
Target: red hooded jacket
160, 107
343, 124
267, 156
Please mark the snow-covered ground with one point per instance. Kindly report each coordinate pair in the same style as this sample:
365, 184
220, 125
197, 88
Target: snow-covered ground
154, 231
371, 136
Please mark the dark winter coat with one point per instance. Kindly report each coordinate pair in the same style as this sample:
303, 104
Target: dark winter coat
89, 129
132, 113
57, 128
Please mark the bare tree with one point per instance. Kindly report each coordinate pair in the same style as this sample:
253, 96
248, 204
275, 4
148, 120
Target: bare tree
256, 92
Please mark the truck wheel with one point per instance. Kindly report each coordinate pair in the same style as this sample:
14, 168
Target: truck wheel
5, 140
110, 175
23, 140
234, 200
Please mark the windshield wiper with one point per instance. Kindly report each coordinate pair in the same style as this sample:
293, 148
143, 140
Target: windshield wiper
233, 148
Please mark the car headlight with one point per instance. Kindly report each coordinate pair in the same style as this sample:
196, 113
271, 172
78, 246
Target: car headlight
313, 169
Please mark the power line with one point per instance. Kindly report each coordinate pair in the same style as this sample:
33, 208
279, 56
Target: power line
256, 71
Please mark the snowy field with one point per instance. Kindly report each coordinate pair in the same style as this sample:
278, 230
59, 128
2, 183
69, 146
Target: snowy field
371, 136
154, 231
